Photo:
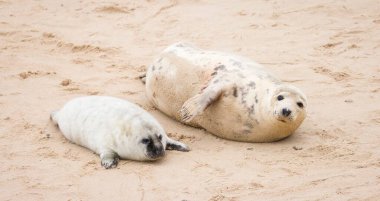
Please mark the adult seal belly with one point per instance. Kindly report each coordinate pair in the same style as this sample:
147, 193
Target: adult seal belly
230, 96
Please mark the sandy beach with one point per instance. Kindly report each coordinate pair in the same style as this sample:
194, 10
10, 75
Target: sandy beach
53, 51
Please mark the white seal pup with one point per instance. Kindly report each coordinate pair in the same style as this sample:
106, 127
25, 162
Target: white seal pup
113, 128
230, 96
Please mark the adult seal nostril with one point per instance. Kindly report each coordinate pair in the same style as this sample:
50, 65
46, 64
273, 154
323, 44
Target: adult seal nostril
286, 112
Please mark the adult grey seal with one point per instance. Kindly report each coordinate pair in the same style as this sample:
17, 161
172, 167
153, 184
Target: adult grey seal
113, 128
228, 95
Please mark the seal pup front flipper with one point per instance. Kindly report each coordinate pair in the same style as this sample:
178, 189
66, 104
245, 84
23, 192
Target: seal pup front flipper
109, 159
198, 103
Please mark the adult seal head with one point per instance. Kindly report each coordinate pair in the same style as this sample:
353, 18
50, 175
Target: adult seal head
230, 96
114, 128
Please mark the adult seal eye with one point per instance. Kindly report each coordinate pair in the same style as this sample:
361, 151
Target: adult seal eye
160, 137
300, 104
280, 98
145, 141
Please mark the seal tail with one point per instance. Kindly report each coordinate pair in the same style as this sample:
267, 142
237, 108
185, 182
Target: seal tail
53, 117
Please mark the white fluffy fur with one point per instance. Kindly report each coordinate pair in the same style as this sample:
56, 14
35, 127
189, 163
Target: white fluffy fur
109, 125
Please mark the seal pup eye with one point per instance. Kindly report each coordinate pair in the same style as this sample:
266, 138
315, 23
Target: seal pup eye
300, 104
280, 98
145, 141
160, 137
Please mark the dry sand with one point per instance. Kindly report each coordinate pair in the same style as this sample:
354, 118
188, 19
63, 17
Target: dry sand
52, 51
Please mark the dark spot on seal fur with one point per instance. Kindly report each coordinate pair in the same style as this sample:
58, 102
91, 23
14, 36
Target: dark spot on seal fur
214, 73
220, 67
244, 93
246, 131
256, 100
257, 122
235, 92
252, 109
215, 81
235, 63
252, 84
153, 68
249, 125
180, 45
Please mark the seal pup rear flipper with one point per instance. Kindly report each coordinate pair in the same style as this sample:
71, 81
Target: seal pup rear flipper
175, 145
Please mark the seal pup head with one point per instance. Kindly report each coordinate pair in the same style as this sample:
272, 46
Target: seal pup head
289, 105
154, 147
147, 140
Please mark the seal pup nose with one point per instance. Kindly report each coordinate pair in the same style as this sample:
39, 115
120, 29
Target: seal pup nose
156, 150
157, 153
286, 112
160, 152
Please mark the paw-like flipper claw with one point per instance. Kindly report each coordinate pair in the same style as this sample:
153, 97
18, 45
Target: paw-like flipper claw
109, 159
